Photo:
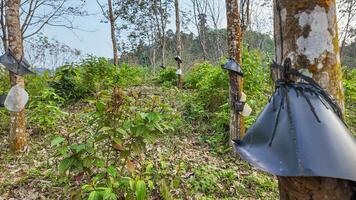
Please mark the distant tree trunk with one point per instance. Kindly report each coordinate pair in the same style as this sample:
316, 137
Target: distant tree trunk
237, 127
199, 10
306, 32
178, 40
3, 25
214, 12
154, 60
113, 35
202, 34
18, 134
350, 13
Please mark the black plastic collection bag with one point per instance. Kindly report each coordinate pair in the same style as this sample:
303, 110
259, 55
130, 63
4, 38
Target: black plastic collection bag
18, 67
2, 99
300, 133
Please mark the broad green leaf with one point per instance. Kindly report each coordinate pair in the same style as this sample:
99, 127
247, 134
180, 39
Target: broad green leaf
112, 171
100, 106
65, 164
117, 140
122, 131
153, 116
143, 115
105, 129
99, 162
57, 140
94, 195
88, 162
78, 147
108, 195
140, 190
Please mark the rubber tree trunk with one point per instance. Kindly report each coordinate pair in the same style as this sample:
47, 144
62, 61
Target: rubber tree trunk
178, 41
18, 134
306, 32
202, 25
113, 35
237, 128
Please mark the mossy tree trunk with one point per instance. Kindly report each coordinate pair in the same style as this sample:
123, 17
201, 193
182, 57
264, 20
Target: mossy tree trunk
237, 127
306, 32
18, 134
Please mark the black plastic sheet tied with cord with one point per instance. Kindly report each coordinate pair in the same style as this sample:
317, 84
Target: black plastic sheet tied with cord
19, 67
300, 132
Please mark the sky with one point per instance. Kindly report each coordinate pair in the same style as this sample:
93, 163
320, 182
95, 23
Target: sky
96, 38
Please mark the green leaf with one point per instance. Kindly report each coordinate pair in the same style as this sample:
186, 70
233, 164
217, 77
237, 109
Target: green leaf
87, 188
63, 150
95, 195
88, 162
99, 162
112, 171
105, 129
109, 195
152, 116
57, 140
122, 131
143, 115
140, 190
100, 106
65, 164
78, 147
151, 185
117, 140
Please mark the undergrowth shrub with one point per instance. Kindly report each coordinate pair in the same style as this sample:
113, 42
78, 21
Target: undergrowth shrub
93, 75
97, 74
167, 77
130, 75
44, 111
66, 84
209, 99
35, 84
210, 89
350, 98
4, 88
104, 156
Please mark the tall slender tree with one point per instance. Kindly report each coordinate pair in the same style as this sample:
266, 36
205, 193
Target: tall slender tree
111, 17
237, 128
200, 21
306, 32
178, 40
214, 12
112, 20
18, 133
347, 11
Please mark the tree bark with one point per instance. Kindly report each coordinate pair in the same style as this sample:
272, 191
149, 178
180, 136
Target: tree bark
163, 34
199, 12
113, 35
178, 41
18, 134
3, 25
237, 127
306, 32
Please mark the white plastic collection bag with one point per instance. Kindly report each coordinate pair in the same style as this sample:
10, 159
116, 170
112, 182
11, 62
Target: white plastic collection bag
247, 111
17, 99
179, 72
